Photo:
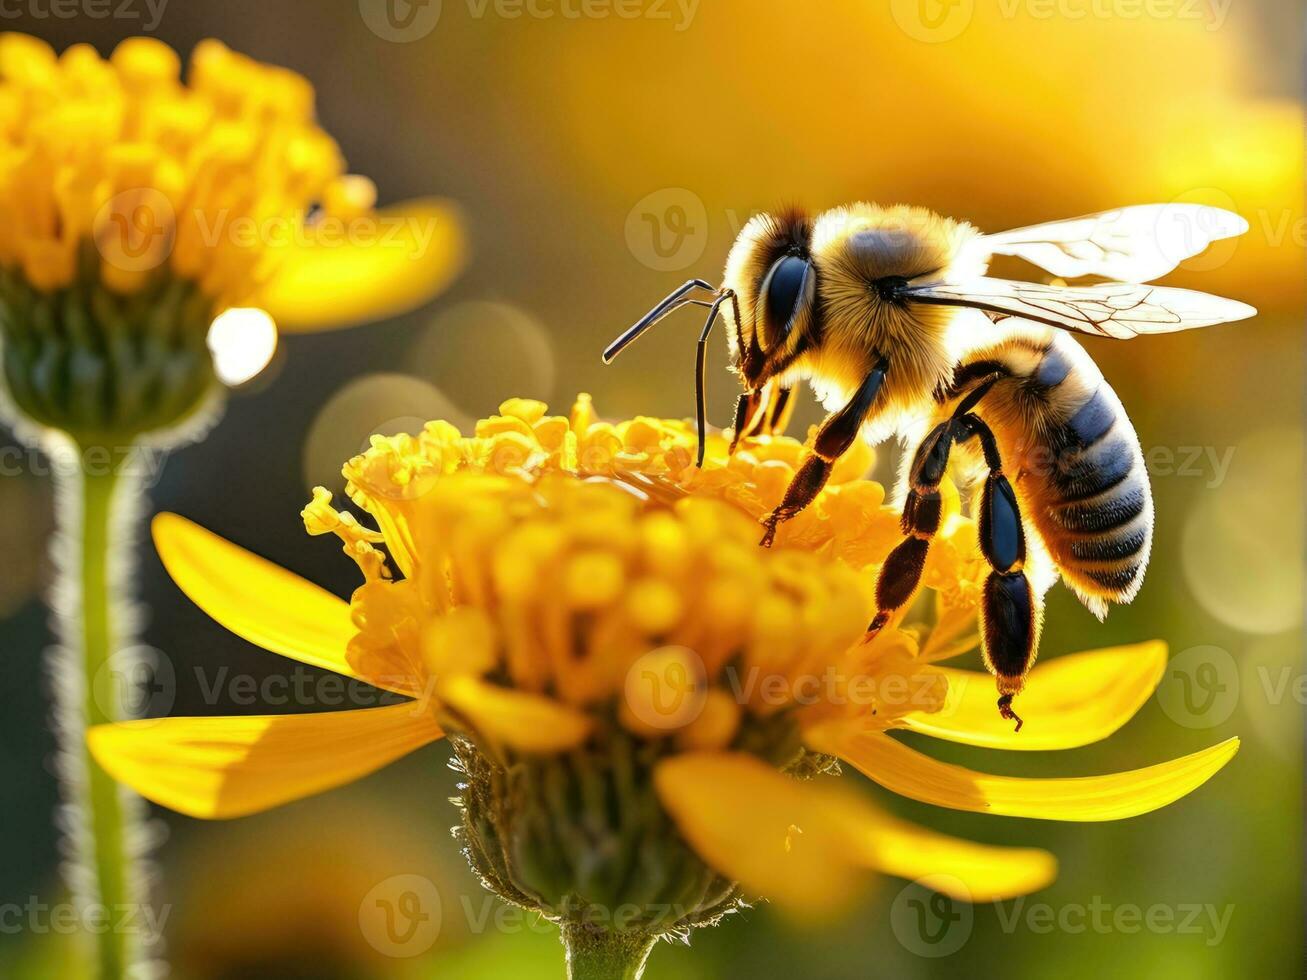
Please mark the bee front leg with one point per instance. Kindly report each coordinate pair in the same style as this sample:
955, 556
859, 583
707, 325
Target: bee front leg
766, 412
779, 409
747, 417
833, 440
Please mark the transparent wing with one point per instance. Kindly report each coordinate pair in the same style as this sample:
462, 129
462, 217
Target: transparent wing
1115, 309
1134, 244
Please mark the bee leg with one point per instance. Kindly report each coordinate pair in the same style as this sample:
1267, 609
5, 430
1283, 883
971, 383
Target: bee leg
765, 412
746, 417
779, 410
833, 440
1009, 609
901, 574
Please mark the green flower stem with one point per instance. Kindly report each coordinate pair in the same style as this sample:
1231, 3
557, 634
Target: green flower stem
597, 954
104, 806
95, 511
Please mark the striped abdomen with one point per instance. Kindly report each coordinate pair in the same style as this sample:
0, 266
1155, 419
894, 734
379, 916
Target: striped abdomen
1075, 461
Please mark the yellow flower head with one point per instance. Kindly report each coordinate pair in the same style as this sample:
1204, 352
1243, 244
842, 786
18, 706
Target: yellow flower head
136, 206
596, 564
627, 677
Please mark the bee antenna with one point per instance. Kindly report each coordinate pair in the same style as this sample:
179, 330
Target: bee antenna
674, 301
700, 375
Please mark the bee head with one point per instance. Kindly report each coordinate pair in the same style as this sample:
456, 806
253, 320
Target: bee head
769, 299
772, 274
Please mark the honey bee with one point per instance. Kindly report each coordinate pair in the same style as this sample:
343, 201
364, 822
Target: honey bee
889, 315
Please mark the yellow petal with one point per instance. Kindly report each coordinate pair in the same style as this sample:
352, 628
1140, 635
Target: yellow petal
1068, 701
764, 829
530, 722
391, 262
217, 768
956, 630
1126, 794
807, 844
264, 603
962, 869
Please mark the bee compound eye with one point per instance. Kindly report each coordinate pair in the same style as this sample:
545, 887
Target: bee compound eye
783, 295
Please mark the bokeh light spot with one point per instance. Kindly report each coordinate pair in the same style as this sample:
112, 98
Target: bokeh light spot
1241, 549
242, 341
478, 350
376, 404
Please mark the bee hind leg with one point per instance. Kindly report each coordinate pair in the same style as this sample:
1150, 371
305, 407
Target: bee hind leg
1010, 607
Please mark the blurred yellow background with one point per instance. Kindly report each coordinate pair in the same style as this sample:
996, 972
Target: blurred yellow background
603, 152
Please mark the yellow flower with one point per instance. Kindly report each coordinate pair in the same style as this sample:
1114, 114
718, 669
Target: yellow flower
588, 617
138, 207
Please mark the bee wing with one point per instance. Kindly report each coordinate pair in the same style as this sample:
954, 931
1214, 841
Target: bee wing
1134, 244
1114, 309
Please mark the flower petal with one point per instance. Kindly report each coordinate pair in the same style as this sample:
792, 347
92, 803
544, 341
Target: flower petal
408, 254
956, 629
1067, 702
807, 844
759, 827
263, 603
1125, 794
959, 868
217, 768
530, 722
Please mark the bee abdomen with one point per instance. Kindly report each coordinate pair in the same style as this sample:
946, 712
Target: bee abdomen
1111, 547
1096, 506
1079, 469
1115, 507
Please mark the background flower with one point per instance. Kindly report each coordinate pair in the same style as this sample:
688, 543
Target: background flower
154, 228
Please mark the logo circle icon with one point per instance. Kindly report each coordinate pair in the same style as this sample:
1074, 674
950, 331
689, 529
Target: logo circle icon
927, 920
667, 231
137, 683
1200, 688
1198, 241
400, 917
666, 688
400, 21
134, 229
933, 21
